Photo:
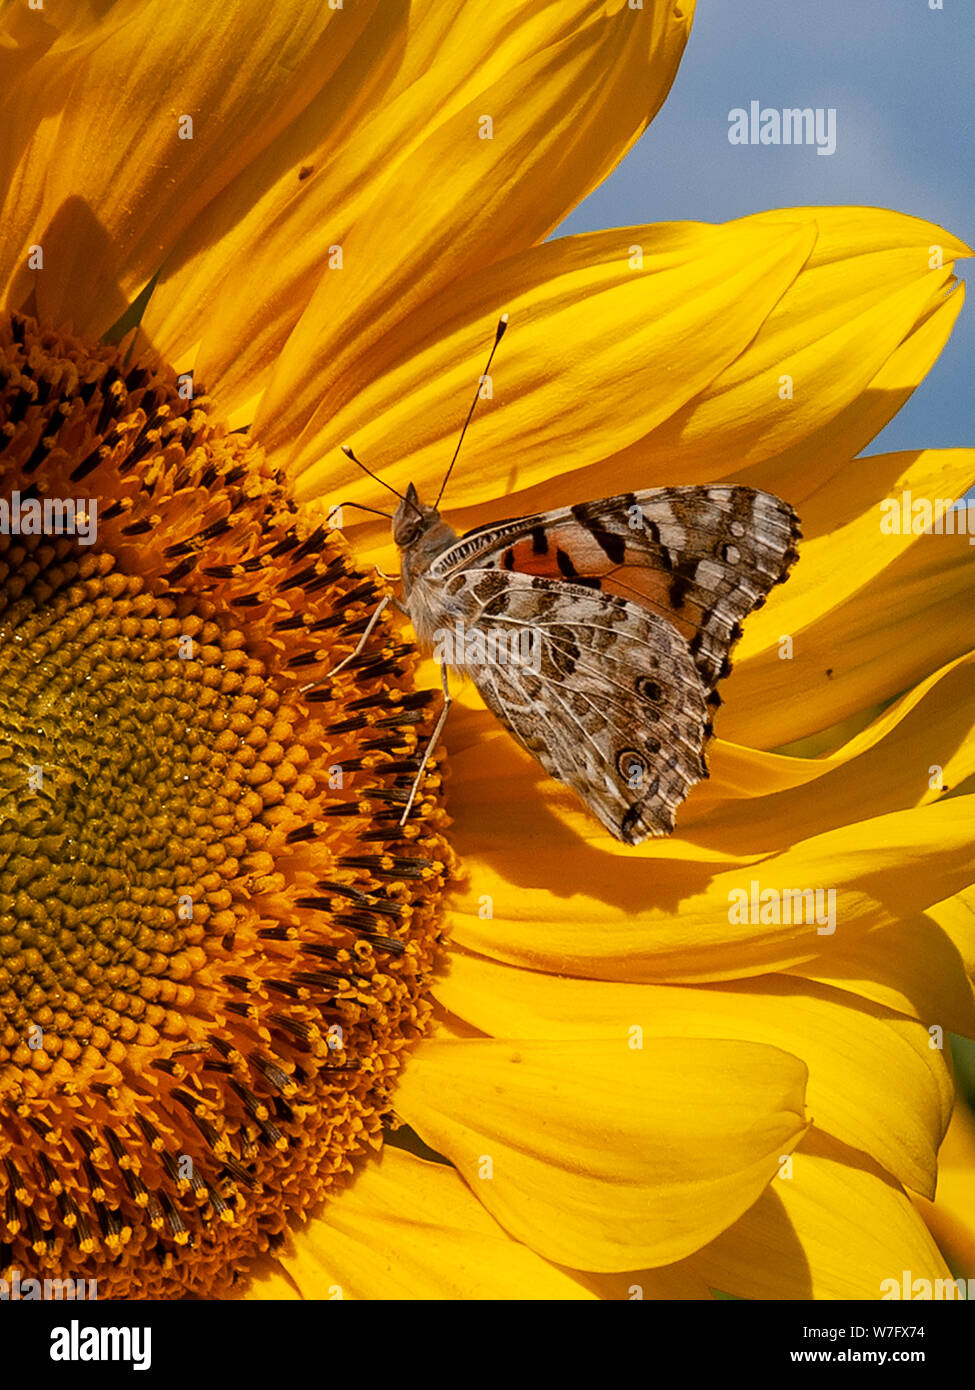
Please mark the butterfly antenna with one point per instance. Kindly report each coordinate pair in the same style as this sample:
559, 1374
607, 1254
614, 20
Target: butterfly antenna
502, 325
359, 508
375, 476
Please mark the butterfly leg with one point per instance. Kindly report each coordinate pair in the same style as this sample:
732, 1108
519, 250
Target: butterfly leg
397, 603
377, 614
435, 738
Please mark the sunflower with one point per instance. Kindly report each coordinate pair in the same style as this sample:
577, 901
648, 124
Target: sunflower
255, 1036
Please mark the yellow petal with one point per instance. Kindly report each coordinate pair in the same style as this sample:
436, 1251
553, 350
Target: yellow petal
911, 618
595, 355
825, 453
676, 1283
24, 26
267, 1281
105, 183
865, 291
956, 918
849, 537
836, 1229
921, 966
602, 1157
952, 1230
853, 336
951, 1218
28, 34
408, 1229
568, 87
556, 894
867, 285
738, 772
874, 1081
910, 755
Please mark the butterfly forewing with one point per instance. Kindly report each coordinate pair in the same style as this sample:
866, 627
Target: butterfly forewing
701, 557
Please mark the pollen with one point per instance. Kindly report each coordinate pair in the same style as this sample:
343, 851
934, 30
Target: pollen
216, 938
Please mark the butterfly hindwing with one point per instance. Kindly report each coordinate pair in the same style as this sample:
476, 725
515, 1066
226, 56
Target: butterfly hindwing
611, 703
702, 558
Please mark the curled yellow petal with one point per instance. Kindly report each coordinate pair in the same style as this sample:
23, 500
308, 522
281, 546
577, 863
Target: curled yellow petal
950, 1218
913, 754
850, 660
872, 278
916, 965
846, 1049
601, 1156
675, 911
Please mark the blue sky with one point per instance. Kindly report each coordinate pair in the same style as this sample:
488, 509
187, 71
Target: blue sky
902, 79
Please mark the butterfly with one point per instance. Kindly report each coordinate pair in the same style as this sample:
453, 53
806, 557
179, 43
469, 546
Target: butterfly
632, 605
600, 631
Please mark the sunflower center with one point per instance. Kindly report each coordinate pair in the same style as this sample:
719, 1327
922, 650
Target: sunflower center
214, 931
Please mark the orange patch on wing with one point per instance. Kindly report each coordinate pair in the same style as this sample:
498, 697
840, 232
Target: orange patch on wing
571, 553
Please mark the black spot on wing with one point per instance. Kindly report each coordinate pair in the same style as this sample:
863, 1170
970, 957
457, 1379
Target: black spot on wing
568, 570
566, 567
649, 690
613, 545
682, 581
539, 540
609, 542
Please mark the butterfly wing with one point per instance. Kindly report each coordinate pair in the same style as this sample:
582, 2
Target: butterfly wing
611, 702
701, 558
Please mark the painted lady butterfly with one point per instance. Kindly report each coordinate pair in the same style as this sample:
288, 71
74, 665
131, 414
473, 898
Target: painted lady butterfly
632, 604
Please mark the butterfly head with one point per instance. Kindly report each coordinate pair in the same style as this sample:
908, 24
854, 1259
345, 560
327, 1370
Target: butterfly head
421, 535
413, 519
